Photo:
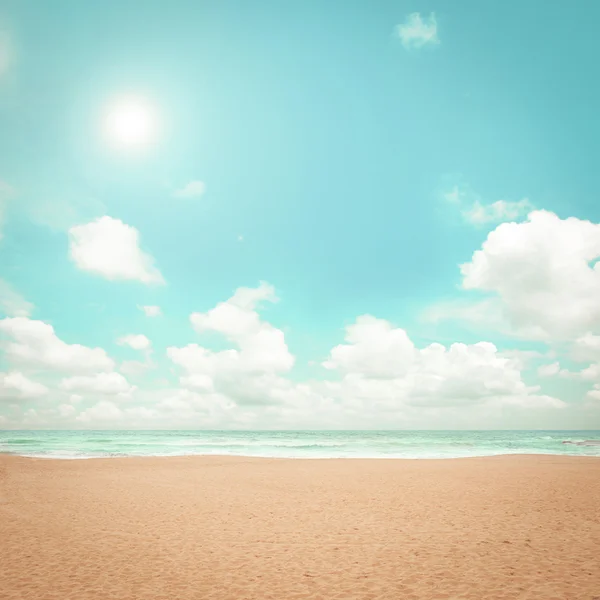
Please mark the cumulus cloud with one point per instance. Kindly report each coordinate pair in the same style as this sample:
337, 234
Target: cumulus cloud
417, 31
110, 248
261, 347
542, 272
374, 348
100, 383
432, 376
103, 411
192, 189
151, 311
35, 343
137, 341
12, 303
15, 386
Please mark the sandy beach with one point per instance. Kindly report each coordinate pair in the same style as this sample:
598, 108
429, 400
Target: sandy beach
217, 528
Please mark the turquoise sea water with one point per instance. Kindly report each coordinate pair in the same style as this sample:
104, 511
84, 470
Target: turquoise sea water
298, 444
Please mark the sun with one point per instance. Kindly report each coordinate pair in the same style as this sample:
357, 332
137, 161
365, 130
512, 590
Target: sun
131, 122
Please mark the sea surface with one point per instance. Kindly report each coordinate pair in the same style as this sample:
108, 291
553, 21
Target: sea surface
298, 444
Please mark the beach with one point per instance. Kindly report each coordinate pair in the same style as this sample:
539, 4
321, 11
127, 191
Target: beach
234, 528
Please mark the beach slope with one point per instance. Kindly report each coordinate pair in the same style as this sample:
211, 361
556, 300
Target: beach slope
225, 528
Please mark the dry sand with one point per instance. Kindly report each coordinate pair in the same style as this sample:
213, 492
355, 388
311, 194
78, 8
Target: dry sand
239, 529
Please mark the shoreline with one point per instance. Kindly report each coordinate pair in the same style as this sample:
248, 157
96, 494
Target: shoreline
297, 458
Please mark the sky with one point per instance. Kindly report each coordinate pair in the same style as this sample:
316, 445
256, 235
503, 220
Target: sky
299, 215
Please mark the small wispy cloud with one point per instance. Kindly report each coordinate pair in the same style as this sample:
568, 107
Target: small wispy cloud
12, 303
476, 212
151, 311
417, 31
497, 212
6, 192
193, 189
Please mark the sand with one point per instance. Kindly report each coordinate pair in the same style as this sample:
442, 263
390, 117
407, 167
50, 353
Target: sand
236, 528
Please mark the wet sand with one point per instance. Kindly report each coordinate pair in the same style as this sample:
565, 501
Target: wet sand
218, 528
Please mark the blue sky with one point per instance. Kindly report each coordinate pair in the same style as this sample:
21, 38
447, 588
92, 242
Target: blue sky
351, 156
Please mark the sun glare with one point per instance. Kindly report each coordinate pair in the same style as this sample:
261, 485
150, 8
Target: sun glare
131, 122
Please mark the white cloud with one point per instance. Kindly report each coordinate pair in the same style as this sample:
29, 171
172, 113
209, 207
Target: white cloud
66, 410
434, 376
542, 274
501, 210
418, 31
12, 303
110, 248
35, 343
261, 347
374, 349
60, 212
587, 348
101, 412
135, 368
151, 311
15, 386
137, 341
193, 189
549, 370
476, 212
100, 383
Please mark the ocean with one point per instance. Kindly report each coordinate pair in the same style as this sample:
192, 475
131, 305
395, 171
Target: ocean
298, 444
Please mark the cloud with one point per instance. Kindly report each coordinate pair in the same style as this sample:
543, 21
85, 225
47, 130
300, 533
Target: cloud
60, 212
135, 368
587, 348
375, 378
12, 303
15, 386
542, 272
110, 248
135, 341
6, 191
380, 362
380, 367
151, 311
549, 370
374, 349
100, 383
261, 348
417, 31
193, 189
66, 410
35, 343
476, 212
498, 211
101, 412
